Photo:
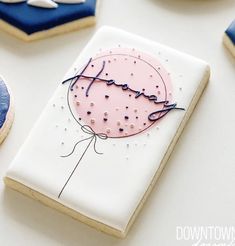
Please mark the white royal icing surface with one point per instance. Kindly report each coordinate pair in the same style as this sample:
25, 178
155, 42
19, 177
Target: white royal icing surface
70, 1
108, 187
12, 1
44, 3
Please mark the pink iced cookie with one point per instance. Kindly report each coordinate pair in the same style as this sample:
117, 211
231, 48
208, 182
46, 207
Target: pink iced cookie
121, 92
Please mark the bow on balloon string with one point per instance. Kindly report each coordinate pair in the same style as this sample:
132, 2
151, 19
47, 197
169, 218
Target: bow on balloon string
87, 129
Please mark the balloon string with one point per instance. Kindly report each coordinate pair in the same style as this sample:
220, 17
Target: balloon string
88, 130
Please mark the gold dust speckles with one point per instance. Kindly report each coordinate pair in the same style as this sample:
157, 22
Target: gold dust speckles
77, 103
108, 130
180, 89
118, 123
92, 121
62, 143
65, 129
62, 107
135, 110
132, 126
127, 145
53, 105
105, 113
117, 109
92, 104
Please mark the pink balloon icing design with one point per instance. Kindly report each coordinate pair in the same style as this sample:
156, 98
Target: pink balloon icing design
121, 109
118, 93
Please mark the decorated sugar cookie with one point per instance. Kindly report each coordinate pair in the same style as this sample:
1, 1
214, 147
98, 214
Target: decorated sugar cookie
35, 19
6, 111
229, 38
106, 134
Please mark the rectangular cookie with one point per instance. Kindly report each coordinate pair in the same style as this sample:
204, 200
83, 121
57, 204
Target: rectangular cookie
107, 132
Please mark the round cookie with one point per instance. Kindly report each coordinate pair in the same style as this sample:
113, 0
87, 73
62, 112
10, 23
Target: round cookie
6, 110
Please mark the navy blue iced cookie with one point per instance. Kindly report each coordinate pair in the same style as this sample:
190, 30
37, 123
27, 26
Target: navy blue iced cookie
6, 111
229, 38
36, 19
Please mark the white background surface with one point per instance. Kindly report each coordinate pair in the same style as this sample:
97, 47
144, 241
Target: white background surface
196, 187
